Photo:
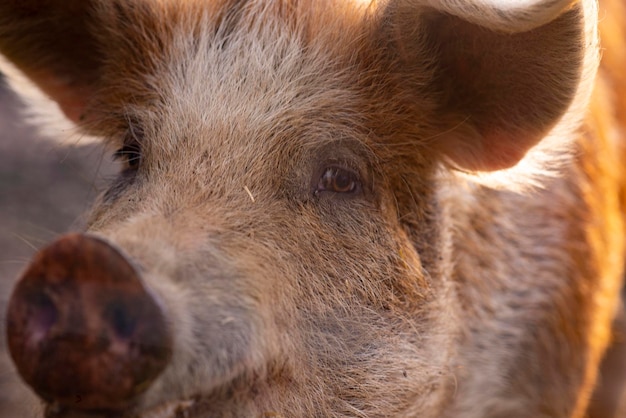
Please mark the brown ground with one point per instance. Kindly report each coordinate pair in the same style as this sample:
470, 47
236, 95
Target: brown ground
44, 188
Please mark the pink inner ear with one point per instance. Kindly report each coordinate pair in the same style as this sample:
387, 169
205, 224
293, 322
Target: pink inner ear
495, 150
507, 149
71, 97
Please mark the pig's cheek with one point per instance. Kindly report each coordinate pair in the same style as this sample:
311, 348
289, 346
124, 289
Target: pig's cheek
216, 337
179, 321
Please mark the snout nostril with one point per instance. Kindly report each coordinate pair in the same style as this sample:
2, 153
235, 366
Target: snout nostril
43, 315
121, 319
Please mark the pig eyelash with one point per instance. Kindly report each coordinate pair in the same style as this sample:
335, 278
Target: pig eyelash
338, 180
130, 153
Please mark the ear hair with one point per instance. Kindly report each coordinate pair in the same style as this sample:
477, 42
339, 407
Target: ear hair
501, 92
50, 41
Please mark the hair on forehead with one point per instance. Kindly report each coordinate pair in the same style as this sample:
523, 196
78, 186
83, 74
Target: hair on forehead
141, 40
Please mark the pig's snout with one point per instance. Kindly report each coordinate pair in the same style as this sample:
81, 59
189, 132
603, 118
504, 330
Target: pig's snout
83, 330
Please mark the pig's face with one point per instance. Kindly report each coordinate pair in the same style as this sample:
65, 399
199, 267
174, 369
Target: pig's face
266, 218
277, 217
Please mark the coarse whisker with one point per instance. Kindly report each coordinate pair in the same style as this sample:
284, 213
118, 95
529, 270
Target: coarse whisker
26, 241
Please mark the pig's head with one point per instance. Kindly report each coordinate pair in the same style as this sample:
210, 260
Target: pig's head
274, 244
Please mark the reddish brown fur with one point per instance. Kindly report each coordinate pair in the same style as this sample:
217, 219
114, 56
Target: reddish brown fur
428, 293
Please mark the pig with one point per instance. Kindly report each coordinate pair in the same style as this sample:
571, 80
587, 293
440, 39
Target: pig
327, 208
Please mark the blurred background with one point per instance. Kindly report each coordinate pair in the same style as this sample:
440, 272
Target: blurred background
45, 186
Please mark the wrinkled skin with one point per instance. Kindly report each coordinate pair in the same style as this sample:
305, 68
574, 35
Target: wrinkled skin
288, 212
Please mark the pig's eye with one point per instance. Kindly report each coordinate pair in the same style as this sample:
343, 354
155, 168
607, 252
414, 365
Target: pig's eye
338, 180
130, 153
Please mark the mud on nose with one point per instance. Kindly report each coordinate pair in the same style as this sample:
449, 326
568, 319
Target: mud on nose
83, 330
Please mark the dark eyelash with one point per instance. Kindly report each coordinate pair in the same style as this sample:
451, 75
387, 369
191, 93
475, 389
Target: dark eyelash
338, 180
130, 153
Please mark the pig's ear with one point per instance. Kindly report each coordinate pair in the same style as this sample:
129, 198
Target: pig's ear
505, 72
50, 41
